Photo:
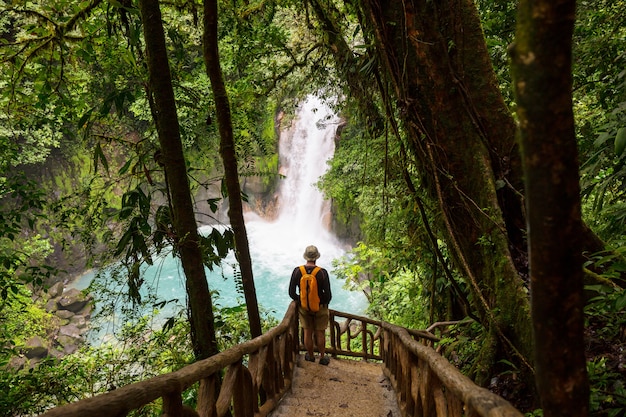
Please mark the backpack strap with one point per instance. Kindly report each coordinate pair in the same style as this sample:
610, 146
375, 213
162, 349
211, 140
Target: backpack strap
314, 272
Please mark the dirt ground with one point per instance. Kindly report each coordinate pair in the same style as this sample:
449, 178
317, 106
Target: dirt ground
344, 388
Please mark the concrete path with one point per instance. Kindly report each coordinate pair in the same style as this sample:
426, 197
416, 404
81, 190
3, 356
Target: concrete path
344, 388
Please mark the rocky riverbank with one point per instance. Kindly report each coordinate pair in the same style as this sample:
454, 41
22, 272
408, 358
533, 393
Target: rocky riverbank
71, 311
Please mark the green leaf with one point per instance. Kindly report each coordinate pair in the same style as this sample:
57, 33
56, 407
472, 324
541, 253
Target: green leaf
98, 155
602, 137
620, 302
213, 204
106, 107
169, 324
116, 3
620, 141
123, 243
85, 118
119, 102
125, 168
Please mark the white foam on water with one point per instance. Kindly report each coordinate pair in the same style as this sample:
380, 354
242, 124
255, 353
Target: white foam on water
277, 247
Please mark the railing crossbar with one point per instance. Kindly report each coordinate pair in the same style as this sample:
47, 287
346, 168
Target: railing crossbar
257, 374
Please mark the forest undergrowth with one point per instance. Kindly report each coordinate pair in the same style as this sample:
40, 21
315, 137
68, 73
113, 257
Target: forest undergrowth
605, 351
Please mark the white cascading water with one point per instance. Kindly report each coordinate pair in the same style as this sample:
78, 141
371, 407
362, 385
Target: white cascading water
304, 150
303, 216
276, 247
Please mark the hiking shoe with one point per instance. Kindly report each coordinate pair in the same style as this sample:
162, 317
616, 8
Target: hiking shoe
309, 358
325, 360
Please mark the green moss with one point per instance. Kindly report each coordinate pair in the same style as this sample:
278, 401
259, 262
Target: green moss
23, 320
268, 128
485, 361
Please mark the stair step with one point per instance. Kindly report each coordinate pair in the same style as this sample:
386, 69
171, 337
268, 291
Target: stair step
344, 388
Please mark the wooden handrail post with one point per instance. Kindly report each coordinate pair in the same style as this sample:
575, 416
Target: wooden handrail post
173, 404
364, 339
207, 396
269, 371
226, 392
331, 324
250, 394
240, 408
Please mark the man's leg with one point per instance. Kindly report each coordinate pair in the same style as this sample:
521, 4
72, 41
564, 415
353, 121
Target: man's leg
320, 341
308, 342
307, 324
320, 338
321, 323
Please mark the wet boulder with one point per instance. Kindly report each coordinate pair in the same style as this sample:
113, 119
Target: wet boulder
72, 300
71, 331
35, 348
55, 290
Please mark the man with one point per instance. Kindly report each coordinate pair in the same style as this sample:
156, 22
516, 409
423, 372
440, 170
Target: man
314, 324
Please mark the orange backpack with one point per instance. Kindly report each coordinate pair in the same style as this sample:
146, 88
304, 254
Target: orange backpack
309, 298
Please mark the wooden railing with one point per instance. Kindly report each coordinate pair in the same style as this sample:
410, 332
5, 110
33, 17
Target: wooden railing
367, 332
426, 384
251, 390
257, 373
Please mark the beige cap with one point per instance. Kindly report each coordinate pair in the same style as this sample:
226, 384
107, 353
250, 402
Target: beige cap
311, 253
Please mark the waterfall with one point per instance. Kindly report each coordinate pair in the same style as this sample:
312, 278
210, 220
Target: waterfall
304, 150
276, 247
303, 215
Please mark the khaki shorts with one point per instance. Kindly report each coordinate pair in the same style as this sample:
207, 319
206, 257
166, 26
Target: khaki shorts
315, 321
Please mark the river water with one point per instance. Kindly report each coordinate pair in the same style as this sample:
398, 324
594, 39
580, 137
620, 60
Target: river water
276, 247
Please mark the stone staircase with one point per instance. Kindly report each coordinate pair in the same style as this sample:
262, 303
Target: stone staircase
344, 388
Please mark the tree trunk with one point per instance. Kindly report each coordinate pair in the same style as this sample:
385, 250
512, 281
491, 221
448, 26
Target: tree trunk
542, 56
188, 243
463, 138
229, 158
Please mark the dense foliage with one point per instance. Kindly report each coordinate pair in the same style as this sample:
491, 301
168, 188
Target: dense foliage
80, 182
355, 164
87, 136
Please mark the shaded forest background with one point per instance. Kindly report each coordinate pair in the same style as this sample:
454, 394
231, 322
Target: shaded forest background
427, 180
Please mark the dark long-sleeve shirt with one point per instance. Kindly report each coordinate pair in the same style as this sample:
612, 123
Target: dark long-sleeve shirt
323, 284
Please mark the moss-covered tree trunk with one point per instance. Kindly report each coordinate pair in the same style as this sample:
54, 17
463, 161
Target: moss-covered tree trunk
229, 159
172, 157
463, 137
542, 56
